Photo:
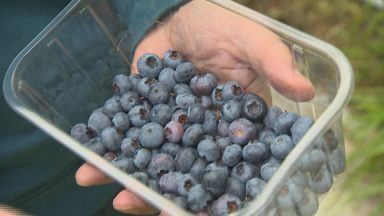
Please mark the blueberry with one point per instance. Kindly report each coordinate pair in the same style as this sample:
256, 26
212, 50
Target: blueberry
281, 146
309, 204
284, 122
222, 127
138, 116
172, 58
185, 100
289, 194
121, 121
236, 188
111, 107
160, 164
197, 168
299, 178
208, 149
96, 145
133, 132
129, 100
184, 72
124, 163
142, 158
180, 116
193, 135
173, 131
255, 152
225, 205
198, 198
111, 138
255, 108
214, 178
223, 142
232, 90
141, 176
129, 146
203, 83
81, 133
244, 171
232, 155
170, 148
254, 187
167, 78
312, 161
121, 84
144, 85
242, 131
181, 88
152, 183
329, 141
195, 113
185, 184
134, 78
161, 113
231, 110
151, 135
210, 122
169, 182
181, 202
336, 161
300, 127
217, 96
185, 159
267, 137
109, 156
99, 121
149, 65
205, 101
271, 116
268, 169
158, 93
320, 182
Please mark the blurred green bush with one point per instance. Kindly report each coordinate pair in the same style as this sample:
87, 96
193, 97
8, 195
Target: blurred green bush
357, 29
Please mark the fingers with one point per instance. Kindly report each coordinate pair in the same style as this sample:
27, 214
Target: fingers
127, 202
272, 58
88, 175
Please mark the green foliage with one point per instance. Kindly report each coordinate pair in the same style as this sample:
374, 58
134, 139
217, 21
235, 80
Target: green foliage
358, 30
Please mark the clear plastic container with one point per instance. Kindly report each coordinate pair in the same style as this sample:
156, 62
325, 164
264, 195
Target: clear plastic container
56, 82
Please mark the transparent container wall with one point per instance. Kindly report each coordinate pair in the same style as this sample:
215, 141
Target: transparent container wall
69, 72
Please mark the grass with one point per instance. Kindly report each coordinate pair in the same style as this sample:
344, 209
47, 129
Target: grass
358, 30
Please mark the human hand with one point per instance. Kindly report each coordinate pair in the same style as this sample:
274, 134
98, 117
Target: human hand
226, 44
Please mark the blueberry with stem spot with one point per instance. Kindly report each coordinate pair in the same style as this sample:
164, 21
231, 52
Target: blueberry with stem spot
121, 84
129, 146
129, 100
138, 116
149, 65
173, 131
232, 91
225, 205
172, 58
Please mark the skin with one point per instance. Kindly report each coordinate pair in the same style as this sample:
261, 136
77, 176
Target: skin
236, 52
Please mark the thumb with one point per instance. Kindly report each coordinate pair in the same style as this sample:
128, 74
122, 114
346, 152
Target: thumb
271, 57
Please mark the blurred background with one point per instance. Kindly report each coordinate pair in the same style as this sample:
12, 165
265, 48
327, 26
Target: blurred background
357, 28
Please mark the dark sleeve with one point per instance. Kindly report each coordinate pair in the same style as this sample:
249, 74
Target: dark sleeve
140, 16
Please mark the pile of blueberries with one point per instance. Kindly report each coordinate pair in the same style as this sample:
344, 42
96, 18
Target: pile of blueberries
209, 147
